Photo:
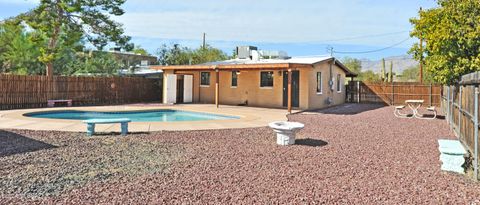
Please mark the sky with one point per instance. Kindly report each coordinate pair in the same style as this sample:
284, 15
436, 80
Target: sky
301, 27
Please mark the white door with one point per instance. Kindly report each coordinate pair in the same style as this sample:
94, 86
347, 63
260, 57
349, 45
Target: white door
171, 89
187, 88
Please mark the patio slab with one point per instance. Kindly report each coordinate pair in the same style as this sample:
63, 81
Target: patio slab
358, 155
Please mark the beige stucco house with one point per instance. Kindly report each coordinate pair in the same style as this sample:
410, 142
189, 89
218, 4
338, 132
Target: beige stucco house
315, 82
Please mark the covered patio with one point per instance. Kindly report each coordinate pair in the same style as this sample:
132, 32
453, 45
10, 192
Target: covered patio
284, 67
290, 83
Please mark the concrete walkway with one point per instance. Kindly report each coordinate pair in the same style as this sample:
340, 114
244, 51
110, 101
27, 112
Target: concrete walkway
249, 117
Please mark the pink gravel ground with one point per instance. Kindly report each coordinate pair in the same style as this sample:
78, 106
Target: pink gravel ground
357, 155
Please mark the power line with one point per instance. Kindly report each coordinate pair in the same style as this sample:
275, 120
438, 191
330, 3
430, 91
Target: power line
371, 51
364, 36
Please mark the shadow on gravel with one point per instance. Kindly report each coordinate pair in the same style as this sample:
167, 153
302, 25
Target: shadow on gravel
347, 109
13, 143
310, 142
439, 117
116, 134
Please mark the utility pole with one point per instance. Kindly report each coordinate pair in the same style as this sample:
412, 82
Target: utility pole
421, 60
421, 56
204, 44
330, 50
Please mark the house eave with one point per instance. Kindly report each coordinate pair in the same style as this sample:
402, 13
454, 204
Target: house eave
264, 66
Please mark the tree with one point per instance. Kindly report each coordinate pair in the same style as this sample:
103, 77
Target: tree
139, 50
369, 76
208, 54
71, 20
353, 64
452, 34
18, 55
178, 55
174, 55
411, 75
93, 63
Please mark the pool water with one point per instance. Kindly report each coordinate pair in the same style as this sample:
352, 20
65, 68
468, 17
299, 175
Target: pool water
165, 115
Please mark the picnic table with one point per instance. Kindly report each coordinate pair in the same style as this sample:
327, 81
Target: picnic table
414, 105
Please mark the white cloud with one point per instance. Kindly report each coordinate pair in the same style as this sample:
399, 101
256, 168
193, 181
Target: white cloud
270, 20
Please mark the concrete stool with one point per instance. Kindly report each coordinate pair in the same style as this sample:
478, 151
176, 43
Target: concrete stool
286, 131
452, 155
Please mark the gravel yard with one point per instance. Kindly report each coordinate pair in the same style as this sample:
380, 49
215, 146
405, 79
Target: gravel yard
360, 154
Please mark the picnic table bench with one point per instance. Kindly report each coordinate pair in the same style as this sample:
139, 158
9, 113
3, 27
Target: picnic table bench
91, 124
51, 103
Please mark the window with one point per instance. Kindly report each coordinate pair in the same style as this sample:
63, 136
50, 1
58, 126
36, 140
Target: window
266, 79
319, 83
204, 78
234, 78
339, 84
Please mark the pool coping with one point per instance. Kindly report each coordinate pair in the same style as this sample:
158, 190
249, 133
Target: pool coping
248, 117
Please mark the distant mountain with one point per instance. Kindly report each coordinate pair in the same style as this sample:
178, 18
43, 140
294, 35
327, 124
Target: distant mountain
400, 63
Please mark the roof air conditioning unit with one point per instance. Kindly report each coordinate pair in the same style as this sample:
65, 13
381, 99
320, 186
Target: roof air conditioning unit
245, 52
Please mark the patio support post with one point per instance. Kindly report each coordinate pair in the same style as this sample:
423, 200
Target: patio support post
475, 120
216, 87
289, 91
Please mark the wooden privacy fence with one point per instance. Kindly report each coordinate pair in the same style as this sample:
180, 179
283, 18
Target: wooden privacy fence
460, 104
393, 93
18, 91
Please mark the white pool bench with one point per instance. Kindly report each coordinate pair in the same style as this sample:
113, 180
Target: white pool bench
91, 124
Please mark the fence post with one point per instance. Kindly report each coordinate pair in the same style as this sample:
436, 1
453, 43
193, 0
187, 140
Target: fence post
358, 91
447, 112
430, 94
393, 93
451, 107
460, 112
475, 162
350, 86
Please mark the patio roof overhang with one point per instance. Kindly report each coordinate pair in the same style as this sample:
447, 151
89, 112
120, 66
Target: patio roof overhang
252, 66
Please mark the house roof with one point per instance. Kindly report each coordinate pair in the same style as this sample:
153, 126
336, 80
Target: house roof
294, 62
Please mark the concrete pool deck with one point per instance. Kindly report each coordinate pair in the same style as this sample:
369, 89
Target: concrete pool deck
249, 117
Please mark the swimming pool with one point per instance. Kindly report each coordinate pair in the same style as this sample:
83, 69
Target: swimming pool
164, 115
